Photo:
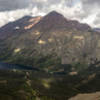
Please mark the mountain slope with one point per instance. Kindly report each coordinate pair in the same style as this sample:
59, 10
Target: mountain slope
19, 26
50, 41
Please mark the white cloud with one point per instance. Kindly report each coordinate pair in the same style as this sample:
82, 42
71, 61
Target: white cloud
10, 16
82, 10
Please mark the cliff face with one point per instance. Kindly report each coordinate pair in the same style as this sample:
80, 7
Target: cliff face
53, 34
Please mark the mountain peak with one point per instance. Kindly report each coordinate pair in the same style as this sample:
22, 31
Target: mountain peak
54, 13
52, 20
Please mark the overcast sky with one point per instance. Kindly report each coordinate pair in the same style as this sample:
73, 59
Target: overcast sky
86, 11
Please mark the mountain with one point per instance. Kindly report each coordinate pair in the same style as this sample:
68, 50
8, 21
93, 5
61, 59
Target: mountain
49, 42
63, 56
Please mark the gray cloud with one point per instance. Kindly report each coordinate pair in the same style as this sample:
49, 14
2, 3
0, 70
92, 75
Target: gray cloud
91, 9
97, 20
6, 5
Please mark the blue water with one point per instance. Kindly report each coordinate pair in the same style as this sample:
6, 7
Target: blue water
7, 66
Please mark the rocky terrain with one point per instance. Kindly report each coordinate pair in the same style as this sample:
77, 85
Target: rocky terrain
92, 96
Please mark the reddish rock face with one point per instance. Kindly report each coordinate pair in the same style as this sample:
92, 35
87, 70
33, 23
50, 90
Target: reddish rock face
32, 22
